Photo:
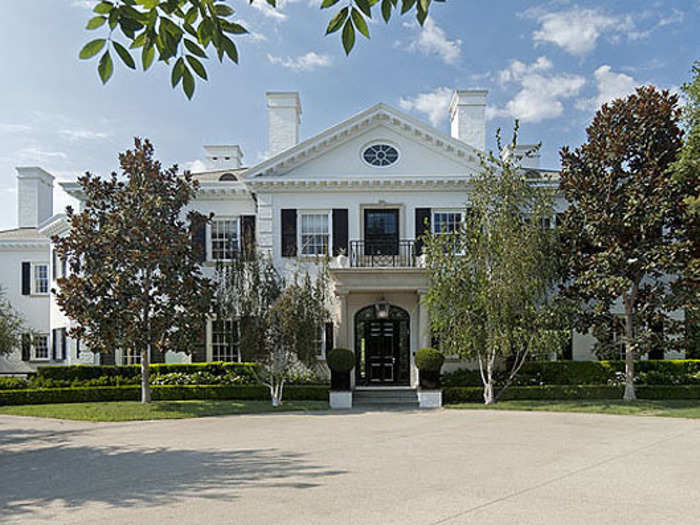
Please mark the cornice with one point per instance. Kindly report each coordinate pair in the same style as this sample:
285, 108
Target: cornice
23, 245
400, 183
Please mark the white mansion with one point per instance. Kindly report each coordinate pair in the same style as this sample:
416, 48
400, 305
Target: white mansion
361, 191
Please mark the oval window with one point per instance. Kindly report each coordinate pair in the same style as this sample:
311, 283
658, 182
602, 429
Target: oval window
380, 155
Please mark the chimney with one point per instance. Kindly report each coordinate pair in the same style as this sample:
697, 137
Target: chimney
34, 196
223, 157
468, 117
283, 118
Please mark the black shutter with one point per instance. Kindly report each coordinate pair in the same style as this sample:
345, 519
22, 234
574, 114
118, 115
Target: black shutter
54, 265
329, 337
289, 233
157, 356
107, 358
26, 347
64, 267
199, 239
77, 348
63, 343
422, 227
340, 231
26, 278
248, 236
54, 343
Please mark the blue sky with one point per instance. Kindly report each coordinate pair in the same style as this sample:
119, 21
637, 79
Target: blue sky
551, 64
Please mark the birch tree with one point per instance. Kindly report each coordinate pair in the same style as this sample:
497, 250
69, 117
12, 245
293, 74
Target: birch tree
491, 297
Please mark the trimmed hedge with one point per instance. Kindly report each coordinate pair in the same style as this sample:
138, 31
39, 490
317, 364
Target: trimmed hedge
473, 394
162, 392
86, 372
537, 373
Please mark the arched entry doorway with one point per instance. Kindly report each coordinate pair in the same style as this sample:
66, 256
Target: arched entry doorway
382, 347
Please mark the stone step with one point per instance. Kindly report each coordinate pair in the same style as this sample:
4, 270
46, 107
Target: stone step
404, 397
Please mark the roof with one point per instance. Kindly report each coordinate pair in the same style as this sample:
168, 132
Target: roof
22, 234
215, 175
355, 125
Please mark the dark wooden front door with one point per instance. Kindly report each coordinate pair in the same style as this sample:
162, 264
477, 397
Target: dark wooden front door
382, 232
382, 348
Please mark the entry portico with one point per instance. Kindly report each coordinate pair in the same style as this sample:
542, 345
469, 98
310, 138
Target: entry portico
383, 319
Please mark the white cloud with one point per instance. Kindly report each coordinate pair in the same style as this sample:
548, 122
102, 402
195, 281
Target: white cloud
307, 62
83, 134
575, 30
541, 93
432, 40
277, 13
675, 17
36, 153
516, 69
435, 104
85, 4
9, 127
609, 85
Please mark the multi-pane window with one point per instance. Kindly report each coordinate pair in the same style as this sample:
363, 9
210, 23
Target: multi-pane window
131, 357
314, 233
224, 240
40, 346
40, 278
225, 341
447, 221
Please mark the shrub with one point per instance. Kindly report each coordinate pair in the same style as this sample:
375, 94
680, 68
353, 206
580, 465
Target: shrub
13, 383
471, 394
538, 373
87, 372
429, 360
341, 360
161, 392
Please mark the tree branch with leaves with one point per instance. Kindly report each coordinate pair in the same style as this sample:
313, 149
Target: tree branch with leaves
182, 33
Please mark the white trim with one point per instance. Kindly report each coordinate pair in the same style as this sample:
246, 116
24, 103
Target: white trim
32, 354
323, 211
208, 242
380, 142
32, 277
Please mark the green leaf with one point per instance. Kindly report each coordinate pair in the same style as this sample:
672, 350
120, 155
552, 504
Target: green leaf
348, 37
188, 83
93, 47
360, 23
103, 8
364, 7
328, 3
194, 48
139, 41
96, 22
337, 21
386, 10
124, 55
230, 48
407, 5
177, 72
106, 67
148, 53
223, 10
197, 66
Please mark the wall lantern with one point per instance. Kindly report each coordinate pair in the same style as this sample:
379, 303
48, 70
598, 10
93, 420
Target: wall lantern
382, 309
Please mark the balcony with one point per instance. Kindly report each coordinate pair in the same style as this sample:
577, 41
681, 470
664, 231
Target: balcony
380, 254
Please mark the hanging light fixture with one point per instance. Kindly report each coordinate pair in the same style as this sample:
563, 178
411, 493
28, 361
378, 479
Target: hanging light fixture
382, 309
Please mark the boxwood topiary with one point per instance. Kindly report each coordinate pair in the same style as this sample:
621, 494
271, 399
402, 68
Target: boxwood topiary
429, 360
341, 360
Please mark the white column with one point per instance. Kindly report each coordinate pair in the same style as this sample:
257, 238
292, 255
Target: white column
343, 341
423, 333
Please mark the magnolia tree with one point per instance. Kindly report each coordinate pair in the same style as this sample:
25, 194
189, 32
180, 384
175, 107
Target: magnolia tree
11, 325
134, 282
280, 322
626, 230
491, 281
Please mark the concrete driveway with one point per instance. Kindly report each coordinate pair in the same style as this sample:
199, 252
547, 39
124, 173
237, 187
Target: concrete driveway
444, 466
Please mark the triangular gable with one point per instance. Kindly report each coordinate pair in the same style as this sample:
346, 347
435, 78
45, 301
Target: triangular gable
361, 124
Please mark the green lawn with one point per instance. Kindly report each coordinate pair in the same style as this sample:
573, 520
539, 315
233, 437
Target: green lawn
135, 411
665, 408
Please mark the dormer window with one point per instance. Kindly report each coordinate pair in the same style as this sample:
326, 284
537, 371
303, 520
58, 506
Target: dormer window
227, 177
380, 155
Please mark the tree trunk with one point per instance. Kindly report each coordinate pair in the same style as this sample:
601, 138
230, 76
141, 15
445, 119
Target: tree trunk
487, 379
276, 389
630, 394
488, 394
145, 375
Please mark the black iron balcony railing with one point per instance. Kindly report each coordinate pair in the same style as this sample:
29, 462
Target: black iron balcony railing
370, 253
